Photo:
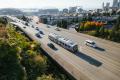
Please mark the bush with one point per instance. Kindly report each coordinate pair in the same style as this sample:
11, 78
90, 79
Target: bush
88, 26
93, 33
45, 77
10, 68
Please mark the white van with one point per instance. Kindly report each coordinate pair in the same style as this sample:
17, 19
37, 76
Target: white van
90, 43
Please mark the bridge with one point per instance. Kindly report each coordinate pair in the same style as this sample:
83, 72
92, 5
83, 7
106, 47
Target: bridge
101, 63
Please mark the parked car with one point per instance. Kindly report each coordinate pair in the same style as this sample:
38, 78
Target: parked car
52, 46
90, 43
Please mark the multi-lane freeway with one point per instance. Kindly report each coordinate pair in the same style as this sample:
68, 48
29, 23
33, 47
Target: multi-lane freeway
102, 63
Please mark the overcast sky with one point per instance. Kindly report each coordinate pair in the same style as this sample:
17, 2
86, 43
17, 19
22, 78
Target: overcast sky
86, 4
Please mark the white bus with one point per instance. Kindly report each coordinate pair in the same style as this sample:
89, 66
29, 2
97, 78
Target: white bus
66, 43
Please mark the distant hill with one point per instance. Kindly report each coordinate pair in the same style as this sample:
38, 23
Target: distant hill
48, 11
10, 11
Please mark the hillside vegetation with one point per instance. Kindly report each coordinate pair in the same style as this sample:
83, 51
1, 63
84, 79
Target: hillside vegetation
22, 59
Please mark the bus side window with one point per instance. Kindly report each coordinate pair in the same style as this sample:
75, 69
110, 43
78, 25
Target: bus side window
68, 46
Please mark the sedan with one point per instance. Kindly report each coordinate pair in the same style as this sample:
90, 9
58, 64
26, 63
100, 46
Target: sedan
38, 35
41, 32
24, 27
37, 29
48, 26
57, 29
32, 26
52, 46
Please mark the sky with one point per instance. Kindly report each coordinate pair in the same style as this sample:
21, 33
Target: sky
85, 4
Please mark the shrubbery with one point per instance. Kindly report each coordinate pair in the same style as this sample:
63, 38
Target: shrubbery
88, 26
97, 29
21, 59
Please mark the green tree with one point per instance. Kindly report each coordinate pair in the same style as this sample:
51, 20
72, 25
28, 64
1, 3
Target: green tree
115, 33
102, 32
10, 68
46, 77
81, 28
97, 33
106, 34
44, 20
3, 21
117, 25
62, 24
35, 64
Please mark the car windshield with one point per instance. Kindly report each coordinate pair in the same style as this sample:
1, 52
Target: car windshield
93, 43
51, 44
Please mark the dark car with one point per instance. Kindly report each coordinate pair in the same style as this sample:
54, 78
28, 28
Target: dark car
37, 29
41, 32
38, 35
48, 26
52, 46
32, 26
26, 24
57, 29
24, 27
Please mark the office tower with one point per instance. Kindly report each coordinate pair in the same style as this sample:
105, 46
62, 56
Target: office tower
119, 4
115, 3
103, 5
107, 4
72, 9
65, 10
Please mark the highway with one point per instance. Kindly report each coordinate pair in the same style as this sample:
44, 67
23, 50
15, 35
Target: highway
102, 63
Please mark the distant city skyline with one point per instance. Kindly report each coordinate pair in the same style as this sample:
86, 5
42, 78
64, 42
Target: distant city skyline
60, 4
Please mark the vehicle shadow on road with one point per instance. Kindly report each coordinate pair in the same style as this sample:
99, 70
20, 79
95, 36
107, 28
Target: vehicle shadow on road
88, 59
99, 48
56, 49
